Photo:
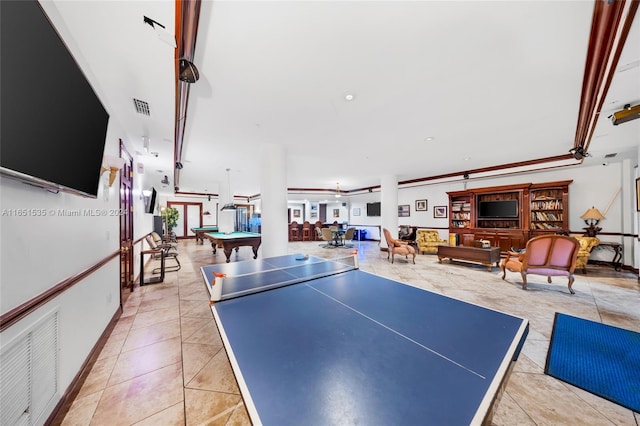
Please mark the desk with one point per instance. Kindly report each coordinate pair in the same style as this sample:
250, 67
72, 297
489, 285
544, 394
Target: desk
234, 240
616, 262
486, 256
350, 347
201, 231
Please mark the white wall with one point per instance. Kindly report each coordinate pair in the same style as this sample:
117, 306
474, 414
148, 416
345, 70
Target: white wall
593, 185
38, 250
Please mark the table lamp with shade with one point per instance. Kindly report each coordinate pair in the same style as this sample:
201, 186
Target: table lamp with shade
591, 218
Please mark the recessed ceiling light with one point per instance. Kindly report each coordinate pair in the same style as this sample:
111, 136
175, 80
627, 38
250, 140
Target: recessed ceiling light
349, 96
429, 138
467, 158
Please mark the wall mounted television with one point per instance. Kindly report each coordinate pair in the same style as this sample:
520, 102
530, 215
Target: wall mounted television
150, 202
53, 124
498, 209
373, 209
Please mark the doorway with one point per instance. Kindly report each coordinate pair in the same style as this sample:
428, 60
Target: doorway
189, 216
126, 223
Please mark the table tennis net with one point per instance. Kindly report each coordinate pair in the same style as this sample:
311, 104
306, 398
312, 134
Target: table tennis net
270, 279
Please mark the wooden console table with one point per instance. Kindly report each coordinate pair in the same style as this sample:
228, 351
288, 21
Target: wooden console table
616, 262
485, 256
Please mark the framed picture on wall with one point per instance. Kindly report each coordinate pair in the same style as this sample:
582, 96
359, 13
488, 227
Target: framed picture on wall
440, 211
421, 205
336, 212
356, 211
404, 210
296, 213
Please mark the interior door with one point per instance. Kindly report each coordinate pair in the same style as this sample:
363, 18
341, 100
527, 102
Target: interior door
189, 216
126, 223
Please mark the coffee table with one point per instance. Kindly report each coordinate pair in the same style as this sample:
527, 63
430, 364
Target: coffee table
485, 256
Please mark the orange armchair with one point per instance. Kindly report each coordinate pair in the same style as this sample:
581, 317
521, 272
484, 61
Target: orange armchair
398, 247
550, 255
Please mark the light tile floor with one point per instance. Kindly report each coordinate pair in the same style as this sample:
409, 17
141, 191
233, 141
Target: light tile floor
164, 363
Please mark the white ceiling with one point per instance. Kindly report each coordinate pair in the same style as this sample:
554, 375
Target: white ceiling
492, 82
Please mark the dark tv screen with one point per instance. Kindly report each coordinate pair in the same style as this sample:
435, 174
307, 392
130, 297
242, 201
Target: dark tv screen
151, 202
53, 124
373, 209
498, 209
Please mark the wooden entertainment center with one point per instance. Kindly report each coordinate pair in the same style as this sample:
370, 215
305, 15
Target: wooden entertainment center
509, 215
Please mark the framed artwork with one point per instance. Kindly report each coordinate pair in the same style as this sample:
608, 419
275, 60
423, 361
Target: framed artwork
404, 210
336, 212
314, 206
421, 205
356, 211
440, 211
638, 194
296, 213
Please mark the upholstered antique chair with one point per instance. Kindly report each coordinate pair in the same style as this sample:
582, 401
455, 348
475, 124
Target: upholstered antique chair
398, 247
550, 255
428, 241
586, 245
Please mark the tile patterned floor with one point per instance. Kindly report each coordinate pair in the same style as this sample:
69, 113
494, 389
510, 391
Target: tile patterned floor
164, 363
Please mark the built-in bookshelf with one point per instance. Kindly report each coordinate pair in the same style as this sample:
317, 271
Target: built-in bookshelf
461, 212
509, 215
548, 209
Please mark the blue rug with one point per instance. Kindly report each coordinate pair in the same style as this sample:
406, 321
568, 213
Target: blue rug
598, 358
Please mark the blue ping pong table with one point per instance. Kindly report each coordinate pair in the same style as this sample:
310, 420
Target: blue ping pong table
352, 347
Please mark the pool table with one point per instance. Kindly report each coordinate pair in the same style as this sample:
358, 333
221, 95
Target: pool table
201, 231
234, 240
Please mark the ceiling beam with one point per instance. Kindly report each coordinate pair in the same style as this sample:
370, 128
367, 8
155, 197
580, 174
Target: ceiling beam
187, 19
610, 27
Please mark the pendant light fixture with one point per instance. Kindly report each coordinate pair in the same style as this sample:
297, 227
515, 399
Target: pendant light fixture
229, 206
338, 195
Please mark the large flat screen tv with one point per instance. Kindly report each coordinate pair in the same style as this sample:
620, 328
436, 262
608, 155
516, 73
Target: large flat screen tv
53, 124
150, 202
373, 209
498, 209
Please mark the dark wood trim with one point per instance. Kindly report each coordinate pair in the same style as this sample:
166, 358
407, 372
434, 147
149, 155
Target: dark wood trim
609, 30
62, 407
187, 19
14, 315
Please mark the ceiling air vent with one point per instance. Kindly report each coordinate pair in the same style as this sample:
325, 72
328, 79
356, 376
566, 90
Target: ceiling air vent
142, 107
610, 155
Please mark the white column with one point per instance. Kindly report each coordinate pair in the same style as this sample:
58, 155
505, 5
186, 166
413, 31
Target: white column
273, 194
226, 218
389, 200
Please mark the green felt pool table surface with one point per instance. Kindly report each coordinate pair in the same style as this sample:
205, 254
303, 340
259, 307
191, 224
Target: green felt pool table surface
234, 240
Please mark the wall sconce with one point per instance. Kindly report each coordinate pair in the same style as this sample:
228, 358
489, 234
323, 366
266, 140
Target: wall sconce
113, 165
591, 218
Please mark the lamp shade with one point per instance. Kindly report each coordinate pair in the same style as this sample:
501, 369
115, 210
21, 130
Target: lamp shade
593, 214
